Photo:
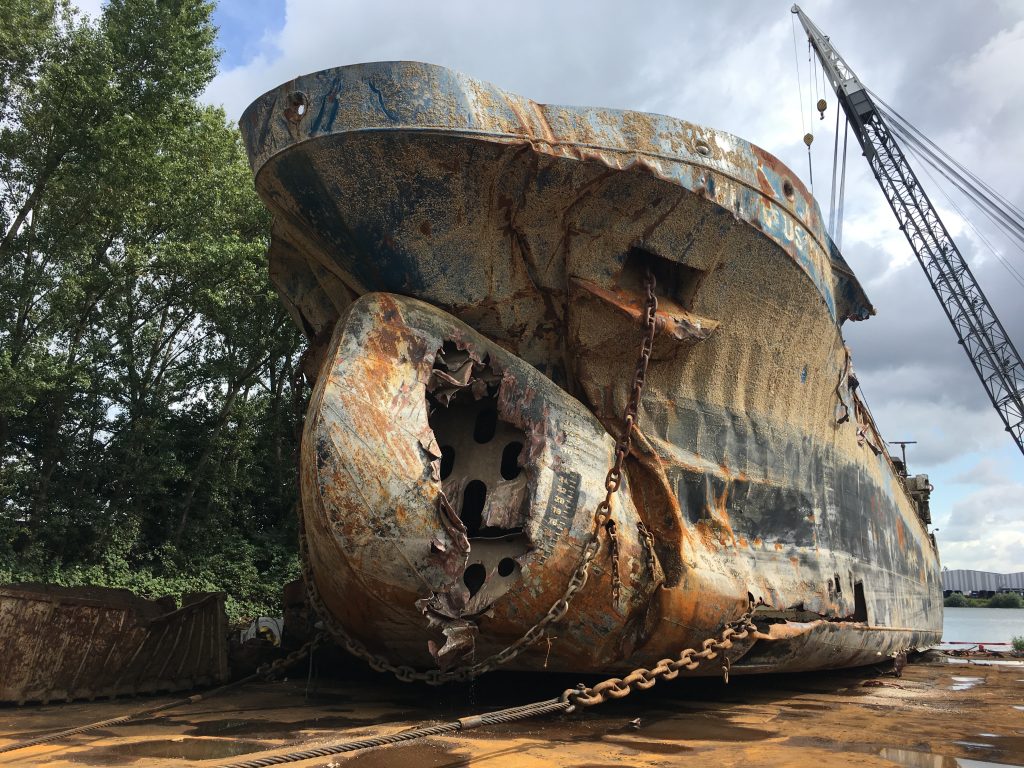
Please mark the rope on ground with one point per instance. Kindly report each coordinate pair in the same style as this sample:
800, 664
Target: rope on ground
264, 672
537, 709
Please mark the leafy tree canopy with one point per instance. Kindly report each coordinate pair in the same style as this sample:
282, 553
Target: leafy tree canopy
147, 428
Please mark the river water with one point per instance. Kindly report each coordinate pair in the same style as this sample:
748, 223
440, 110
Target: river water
982, 625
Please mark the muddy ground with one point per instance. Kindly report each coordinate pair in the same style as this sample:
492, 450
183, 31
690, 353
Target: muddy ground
939, 714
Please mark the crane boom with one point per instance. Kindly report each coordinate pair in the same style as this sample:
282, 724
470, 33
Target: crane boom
989, 348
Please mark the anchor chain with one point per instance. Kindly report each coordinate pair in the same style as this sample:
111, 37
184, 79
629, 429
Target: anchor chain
602, 520
666, 669
648, 540
570, 700
613, 550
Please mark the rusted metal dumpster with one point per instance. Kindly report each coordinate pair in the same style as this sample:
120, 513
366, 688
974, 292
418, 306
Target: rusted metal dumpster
65, 643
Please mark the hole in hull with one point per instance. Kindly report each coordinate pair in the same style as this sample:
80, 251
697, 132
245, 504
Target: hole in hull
674, 281
474, 578
510, 468
473, 500
447, 461
860, 604
486, 425
479, 473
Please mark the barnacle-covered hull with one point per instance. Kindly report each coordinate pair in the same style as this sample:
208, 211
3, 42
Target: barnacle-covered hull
468, 267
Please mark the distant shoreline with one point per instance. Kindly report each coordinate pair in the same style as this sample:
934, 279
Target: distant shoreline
1001, 600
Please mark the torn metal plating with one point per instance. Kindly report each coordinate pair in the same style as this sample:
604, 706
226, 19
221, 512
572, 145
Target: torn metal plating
483, 491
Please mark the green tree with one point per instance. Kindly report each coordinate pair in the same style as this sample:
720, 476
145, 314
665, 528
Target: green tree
146, 366
1005, 600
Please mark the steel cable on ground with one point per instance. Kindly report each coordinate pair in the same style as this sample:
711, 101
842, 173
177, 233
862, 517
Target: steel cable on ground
263, 673
581, 696
512, 714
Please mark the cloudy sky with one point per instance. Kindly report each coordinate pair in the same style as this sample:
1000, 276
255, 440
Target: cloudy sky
955, 69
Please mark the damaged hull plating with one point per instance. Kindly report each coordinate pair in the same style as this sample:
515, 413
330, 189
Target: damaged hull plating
467, 266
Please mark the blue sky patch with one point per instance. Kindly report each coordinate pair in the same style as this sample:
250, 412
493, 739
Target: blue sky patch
243, 28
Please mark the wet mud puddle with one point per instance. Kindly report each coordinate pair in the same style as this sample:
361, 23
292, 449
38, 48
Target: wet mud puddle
928, 718
962, 683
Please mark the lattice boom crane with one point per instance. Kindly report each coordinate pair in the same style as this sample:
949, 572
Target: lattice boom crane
991, 352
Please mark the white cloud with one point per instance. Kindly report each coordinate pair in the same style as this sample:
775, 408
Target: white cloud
984, 528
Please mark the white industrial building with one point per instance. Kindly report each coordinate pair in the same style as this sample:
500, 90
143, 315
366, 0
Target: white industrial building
968, 582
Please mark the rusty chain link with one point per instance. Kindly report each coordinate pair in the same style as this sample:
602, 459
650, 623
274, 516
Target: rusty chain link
270, 670
613, 551
648, 541
602, 520
666, 669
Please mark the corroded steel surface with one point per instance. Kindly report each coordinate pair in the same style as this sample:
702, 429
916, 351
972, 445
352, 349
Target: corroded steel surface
524, 230
65, 643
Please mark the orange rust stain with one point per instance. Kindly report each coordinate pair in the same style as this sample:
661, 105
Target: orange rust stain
762, 181
722, 510
778, 547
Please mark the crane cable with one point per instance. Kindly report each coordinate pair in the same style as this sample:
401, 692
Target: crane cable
1005, 222
965, 180
1010, 222
808, 137
799, 85
832, 199
1017, 276
985, 241
896, 116
996, 208
812, 89
838, 239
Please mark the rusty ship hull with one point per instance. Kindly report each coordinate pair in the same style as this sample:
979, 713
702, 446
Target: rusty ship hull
468, 267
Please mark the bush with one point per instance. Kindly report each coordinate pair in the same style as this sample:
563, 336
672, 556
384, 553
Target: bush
1005, 600
955, 600
1018, 643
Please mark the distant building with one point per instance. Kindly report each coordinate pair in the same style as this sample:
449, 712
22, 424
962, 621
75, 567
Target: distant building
981, 582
